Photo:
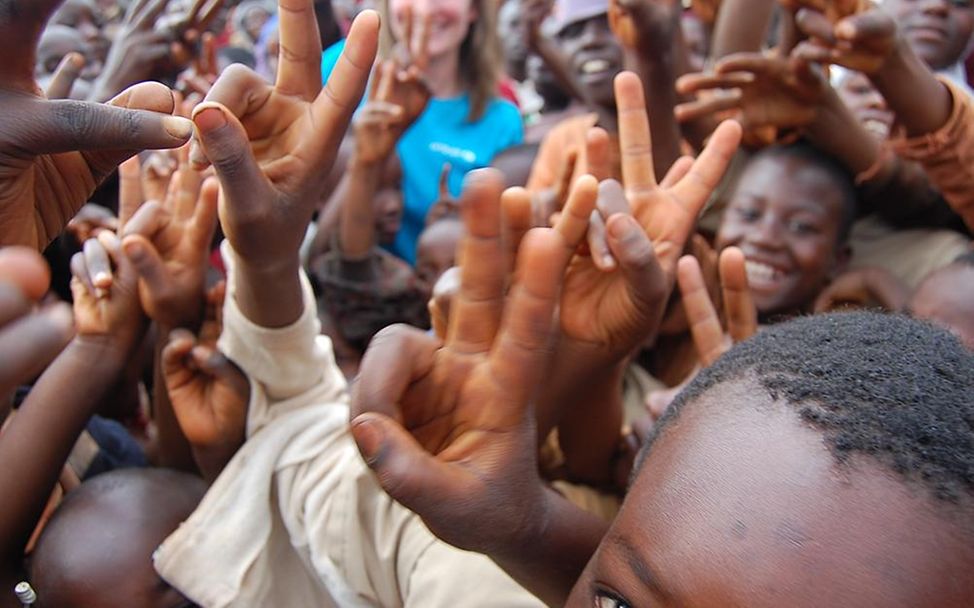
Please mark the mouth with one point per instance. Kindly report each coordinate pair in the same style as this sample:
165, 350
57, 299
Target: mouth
596, 69
763, 277
927, 34
877, 126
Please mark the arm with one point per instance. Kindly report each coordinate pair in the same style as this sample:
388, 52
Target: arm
735, 34
42, 433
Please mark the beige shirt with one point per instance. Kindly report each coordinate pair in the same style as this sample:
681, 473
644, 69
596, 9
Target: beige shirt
297, 519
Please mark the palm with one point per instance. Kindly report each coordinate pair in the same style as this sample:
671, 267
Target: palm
596, 307
208, 409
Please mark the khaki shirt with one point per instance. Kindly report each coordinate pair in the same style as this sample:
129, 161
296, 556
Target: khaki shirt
297, 519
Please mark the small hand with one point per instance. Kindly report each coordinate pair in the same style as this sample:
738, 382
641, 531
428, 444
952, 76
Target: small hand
834, 10
379, 124
209, 396
862, 42
645, 25
106, 302
90, 221
764, 91
169, 245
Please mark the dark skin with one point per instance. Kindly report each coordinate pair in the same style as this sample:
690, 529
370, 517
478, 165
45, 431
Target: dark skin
53, 154
84, 17
80, 561
436, 251
110, 326
785, 216
938, 30
760, 515
944, 298
594, 56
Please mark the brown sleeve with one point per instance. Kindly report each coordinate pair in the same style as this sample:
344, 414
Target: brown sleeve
947, 155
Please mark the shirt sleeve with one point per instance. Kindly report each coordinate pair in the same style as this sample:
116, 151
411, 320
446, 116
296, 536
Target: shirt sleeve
948, 154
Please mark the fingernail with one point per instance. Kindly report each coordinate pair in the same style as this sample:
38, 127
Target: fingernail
102, 280
620, 227
608, 261
196, 156
101, 294
134, 250
369, 438
178, 127
109, 240
209, 120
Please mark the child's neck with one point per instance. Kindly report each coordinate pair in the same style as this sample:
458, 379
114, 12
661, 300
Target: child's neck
443, 76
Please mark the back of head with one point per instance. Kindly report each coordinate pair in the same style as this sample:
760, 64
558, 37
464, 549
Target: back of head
97, 548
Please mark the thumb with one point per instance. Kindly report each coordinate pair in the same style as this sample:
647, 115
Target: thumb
227, 147
215, 364
408, 473
148, 264
634, 253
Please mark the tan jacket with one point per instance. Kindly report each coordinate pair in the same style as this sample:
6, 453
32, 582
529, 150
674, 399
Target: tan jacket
297, 519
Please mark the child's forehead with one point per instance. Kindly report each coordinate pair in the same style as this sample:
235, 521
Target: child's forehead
790, 176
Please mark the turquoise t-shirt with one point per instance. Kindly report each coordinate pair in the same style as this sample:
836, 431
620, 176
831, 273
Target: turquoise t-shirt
443, 135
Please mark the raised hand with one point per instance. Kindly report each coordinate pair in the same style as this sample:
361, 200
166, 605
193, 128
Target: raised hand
106, 311
272, 146
406, 85
863, 42
380, 123
66, 74
765, 91
169, 245
709, 335
834, 10
54, 153
645, 25
452, 420
209, 396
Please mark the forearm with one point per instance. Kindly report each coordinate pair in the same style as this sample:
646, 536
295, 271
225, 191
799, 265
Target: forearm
552, 559
589, 432
922, 103
836, 132
269, 296
658, 72
357, 227
44, 430
172, 448
735, 33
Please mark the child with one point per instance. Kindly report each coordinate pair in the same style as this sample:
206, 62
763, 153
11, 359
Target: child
945, 298
790, 213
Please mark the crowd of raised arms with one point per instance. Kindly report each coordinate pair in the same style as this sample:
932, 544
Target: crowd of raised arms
486, 303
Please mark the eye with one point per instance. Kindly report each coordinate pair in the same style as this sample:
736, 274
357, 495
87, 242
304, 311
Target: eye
802, 227
604, 599
748, 214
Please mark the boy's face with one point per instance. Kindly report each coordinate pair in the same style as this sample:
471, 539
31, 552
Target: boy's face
785, 216
938, 30
83, 16
437, 251
594, 55
387, 202
741, 504
867, 105
946, 298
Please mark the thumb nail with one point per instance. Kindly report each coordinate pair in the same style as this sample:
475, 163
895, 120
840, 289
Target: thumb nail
178, 127
369, 437
209, 119
134, 250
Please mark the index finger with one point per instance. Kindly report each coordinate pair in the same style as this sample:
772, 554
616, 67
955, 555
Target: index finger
130, 196
742, 315
477, 308
635, 140
708, 170
708, 335
65, 76
299, 65
523, 343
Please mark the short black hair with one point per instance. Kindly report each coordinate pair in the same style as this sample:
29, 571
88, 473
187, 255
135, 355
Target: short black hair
840, 176
891, 388
965, 259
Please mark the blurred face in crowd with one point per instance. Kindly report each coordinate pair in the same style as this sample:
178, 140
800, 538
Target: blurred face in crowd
785, 215
938, 30
594, 55
740, 503
437, 250
387, 202
946, 298
56, 42
511, 28
83, 16
450, 21
868, 106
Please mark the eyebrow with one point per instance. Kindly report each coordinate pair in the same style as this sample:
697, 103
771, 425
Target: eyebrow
640, 568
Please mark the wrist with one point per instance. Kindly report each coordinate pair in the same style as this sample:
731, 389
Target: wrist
108, 350
362, 164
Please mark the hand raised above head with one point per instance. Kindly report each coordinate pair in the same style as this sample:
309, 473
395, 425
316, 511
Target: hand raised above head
54, 153
863, 42
272, 145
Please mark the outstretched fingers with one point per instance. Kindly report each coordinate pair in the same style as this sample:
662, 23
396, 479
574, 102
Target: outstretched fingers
299, 67
742, 314
696, 187
708, 334
635, 140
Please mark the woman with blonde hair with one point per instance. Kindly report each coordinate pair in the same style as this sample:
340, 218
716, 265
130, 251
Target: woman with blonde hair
464, 124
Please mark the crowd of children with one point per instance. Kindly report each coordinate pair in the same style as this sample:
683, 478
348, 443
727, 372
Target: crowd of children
423, 303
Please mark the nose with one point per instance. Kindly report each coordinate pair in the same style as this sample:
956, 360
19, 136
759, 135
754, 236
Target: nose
592, 34
939, 8
766, 234
874, 101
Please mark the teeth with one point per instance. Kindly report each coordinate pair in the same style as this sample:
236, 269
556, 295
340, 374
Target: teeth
878, 127
761, 273
594, 66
